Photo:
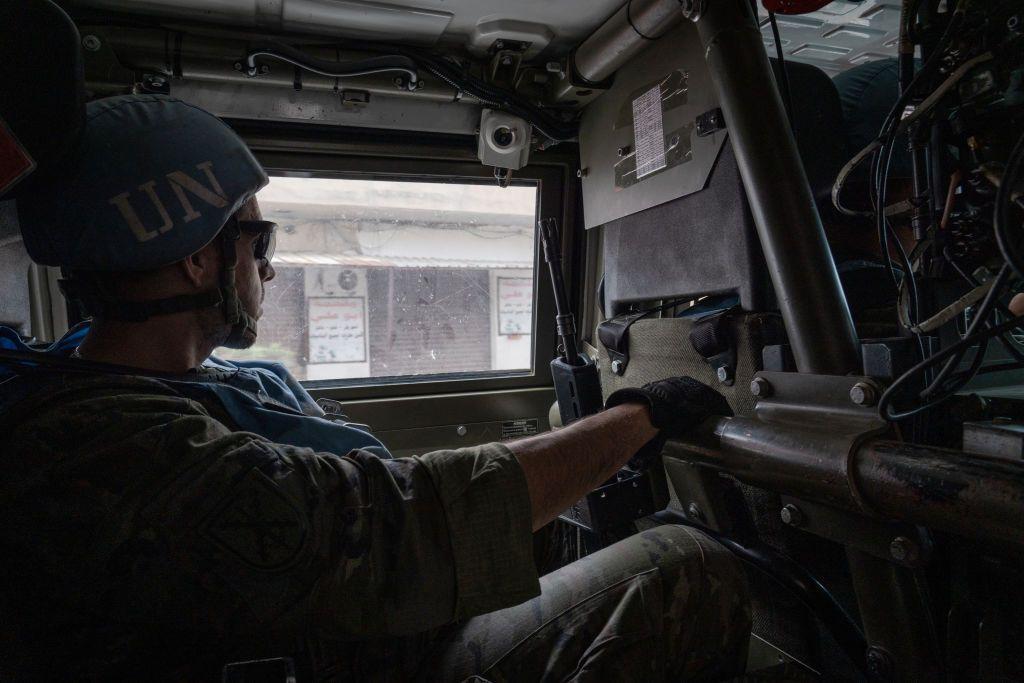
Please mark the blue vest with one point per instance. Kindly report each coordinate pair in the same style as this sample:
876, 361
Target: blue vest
260, 396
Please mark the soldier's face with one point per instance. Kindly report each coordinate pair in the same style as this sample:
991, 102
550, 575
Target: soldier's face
252, 274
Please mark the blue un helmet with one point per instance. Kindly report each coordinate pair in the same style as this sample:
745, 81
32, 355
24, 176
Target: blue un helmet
151, 181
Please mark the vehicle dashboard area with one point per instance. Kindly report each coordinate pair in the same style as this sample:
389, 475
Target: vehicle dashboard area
686, 172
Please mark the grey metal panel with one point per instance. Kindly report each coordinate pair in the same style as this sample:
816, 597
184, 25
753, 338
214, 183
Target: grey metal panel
553, 26
601, 137
421, 412
251, 102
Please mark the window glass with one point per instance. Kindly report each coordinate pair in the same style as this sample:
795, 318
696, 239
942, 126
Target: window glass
397, 278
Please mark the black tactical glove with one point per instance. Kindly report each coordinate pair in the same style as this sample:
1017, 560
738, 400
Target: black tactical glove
677, 405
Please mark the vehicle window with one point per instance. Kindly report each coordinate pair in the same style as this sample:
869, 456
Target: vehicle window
385, 279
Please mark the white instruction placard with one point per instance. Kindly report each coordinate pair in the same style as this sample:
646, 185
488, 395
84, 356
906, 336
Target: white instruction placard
515, 305
337, 329
649, 132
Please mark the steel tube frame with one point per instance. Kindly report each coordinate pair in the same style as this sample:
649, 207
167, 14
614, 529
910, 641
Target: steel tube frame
802, 270
952, 491
619, 38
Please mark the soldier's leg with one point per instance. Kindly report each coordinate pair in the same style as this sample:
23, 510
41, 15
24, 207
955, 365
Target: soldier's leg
666, 604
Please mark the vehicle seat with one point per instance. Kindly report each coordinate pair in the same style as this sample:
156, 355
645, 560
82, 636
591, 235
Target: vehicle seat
42, 104
706, 244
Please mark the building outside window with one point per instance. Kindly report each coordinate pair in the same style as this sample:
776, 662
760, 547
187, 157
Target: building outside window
384, 279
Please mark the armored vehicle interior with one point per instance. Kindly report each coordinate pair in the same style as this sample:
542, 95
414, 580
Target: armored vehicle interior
493, 214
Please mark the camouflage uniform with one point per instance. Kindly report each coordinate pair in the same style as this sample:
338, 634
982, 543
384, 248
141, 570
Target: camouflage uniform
146, 537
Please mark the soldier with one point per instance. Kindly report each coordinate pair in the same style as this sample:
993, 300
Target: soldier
165, 514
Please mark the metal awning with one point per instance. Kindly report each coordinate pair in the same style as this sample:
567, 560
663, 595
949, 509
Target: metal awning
310, 258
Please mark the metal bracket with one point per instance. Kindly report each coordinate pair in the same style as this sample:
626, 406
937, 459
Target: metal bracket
710, 122
903, 544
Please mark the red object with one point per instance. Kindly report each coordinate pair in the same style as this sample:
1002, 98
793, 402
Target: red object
794, 6
15, 162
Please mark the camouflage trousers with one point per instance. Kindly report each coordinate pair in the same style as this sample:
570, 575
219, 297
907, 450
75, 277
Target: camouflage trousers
668, 604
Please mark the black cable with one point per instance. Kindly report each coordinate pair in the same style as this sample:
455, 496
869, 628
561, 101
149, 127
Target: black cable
980, 319
451, 74
787, 95
546, 124
362, 67
1010, 347
887, 398
793, 577
1009, 246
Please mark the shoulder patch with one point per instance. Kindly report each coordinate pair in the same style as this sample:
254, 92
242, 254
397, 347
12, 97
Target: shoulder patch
258, 524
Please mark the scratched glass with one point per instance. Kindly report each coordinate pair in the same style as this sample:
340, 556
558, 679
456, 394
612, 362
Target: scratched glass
391, 279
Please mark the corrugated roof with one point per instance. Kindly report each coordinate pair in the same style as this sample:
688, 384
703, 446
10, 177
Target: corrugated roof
308, 258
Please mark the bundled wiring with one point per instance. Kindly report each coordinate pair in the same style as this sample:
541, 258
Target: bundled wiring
924, 108
547, 125
947, 383
363, 67
885, 404
938, 377
411, 62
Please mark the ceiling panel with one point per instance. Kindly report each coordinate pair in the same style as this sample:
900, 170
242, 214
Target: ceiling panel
557, 25
839, 36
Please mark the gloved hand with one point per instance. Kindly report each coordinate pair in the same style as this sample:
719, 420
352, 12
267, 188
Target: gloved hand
677, 405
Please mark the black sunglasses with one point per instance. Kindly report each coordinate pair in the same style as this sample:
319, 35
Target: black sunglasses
265, 242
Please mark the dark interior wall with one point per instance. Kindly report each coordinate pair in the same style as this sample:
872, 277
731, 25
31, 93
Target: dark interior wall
15, 309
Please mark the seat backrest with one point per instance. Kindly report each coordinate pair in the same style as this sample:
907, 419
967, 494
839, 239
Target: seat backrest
705, 242
42, 95
42, 114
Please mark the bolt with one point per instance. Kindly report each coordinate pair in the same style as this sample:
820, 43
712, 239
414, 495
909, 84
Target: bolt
623, 151
91, 43
903, 549
724, 374
399, 82
692, 8
693, 510
157, 82
761, 387
863, 394
791, 515
1013, 22
617, 367
880, 665
461, 430
238, 66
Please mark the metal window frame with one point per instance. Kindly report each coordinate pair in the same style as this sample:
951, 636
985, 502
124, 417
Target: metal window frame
380, 163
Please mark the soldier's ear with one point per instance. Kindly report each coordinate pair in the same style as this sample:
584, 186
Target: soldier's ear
202, 269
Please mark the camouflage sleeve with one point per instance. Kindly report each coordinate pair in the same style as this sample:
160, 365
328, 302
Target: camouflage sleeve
355, 546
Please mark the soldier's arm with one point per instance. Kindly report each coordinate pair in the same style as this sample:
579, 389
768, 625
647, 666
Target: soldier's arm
359, 546
562, 466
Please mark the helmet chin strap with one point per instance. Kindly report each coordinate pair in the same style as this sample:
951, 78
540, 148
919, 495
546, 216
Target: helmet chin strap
242, 332
243, 326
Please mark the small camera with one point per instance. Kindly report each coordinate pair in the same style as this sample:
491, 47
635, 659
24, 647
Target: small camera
504, 140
